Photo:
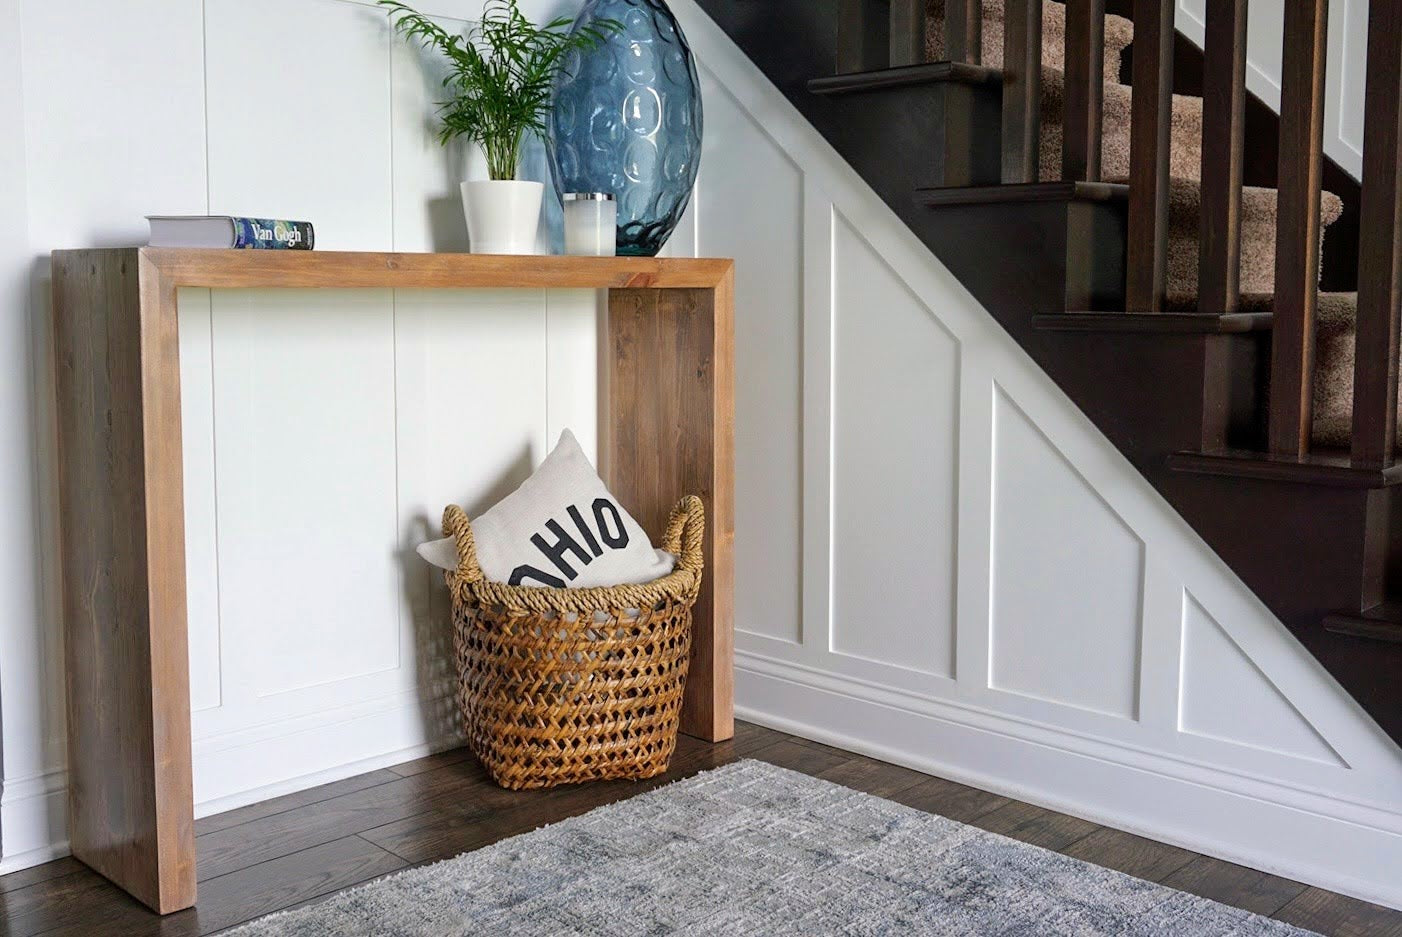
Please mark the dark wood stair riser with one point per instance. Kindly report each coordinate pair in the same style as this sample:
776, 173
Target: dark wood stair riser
940, 128
1076, 232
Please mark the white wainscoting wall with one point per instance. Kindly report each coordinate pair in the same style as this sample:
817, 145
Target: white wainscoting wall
941, 562
985, 588
324, 431
1345, 74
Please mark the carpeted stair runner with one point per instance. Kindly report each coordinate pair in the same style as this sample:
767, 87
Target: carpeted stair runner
1258, 219
1337, 314
1185, 161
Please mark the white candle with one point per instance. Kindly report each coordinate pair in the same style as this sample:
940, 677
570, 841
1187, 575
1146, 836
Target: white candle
591, 224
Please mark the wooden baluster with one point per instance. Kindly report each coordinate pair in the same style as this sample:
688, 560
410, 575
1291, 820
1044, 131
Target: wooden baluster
1297, 226
1150, 123
1022, 90
1223, 136
908, 32
963, 30
1085, 89
1380, 242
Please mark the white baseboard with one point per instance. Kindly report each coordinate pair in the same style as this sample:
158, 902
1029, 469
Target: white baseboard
1338, 855
33, 820
238, 768
33, 857
326, 776
34, 810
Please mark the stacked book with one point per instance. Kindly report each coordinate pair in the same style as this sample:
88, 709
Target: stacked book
230, 231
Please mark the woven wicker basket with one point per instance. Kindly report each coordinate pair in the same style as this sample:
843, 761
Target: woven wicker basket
558, 686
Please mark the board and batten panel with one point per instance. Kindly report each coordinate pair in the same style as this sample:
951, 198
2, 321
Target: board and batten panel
427, 201
1072, 573
572, 369
471, 412
114, 118
741, 160
1260, 716
302, 382
201, 502
31, 802
298, 134
895, 418
103, 138
1347, 77
1067, 573
305, 486
1346, 66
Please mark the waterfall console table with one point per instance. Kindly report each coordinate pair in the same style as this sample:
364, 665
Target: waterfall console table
669, 430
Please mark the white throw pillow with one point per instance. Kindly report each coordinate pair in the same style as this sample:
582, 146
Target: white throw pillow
561, 528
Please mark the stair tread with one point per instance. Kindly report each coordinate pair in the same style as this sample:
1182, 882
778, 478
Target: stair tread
905, 75
1381, 622
1185, 197
1056, 191
1334, 309
1317, 468
1186, 322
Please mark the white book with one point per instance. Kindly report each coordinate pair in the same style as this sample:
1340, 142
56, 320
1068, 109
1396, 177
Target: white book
231, 231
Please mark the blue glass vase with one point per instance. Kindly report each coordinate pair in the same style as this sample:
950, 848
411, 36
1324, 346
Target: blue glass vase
626, 119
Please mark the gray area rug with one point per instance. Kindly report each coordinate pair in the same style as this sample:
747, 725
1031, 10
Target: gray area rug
755, 849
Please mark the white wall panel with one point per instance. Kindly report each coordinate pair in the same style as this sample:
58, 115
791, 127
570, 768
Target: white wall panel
201, 502
742, 162
114, 122
895, 411
428, 212
1067, 578
1069, 574
1346, 59
574, 319
31, 810
472, 423
323, 432
1260, 715
91, 140
299, 129
1348, 77
305, 464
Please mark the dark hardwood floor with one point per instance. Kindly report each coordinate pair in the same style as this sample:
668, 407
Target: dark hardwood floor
295, 849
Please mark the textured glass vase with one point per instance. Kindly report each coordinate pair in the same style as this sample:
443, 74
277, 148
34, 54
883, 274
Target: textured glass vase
626, 120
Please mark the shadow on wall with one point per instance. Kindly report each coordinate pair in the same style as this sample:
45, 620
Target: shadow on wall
427, 595
48, 612
462, 161
447, 231
32, 723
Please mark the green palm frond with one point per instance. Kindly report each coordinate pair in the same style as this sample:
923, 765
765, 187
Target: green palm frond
500, 73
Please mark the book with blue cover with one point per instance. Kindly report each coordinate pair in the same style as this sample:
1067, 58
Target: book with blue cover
231, 231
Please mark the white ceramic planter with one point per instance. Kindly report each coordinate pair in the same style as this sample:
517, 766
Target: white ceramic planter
502, 215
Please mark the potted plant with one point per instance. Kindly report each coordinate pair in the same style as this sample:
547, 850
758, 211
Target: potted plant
501, 73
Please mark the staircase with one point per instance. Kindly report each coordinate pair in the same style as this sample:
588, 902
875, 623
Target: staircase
1162, 265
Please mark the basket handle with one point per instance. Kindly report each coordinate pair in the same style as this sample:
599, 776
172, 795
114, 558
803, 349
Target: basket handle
686, 528
457, 526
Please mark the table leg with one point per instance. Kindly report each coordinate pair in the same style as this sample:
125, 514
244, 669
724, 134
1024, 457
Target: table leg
670, 430
130, 791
